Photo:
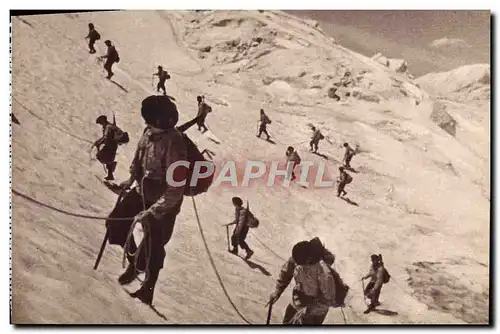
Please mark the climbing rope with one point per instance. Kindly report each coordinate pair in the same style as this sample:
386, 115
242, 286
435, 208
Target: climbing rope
269, 249
79, 215
147, 246
212, 262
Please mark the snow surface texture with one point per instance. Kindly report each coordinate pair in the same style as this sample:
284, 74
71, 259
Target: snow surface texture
422, 194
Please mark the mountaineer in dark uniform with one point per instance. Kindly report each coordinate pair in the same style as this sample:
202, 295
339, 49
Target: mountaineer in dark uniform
111, 57
93, 36
107, 154
154, 203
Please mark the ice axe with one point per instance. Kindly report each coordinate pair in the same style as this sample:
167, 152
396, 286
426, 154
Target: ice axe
364, 297
269, 311
106, 236
227, 234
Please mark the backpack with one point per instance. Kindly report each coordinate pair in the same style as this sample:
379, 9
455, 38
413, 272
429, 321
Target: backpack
207, 107
295, 158
115, 54
341, 289
321, 136
387, 276
348, 178
97, 36
121, 137
251, 221
193, 155
267, 120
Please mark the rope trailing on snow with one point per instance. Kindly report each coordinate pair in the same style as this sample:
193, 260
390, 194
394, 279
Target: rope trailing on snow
214, 266
79, 215
341, 307
269, 249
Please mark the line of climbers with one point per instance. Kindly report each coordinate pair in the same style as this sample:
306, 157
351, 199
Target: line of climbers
155, 205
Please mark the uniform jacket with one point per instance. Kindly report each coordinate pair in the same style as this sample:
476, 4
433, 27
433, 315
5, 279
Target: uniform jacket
294, 156
240, 220
288, 269
349, 152
264, 120
316, 135
203, 110
108, 136
376, 276
111, 54
156, 151
92, 35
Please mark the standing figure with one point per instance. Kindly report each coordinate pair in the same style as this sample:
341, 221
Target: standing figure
314, 284
93, 36
203, 110
264, 121
293, 157
241, 230
153, 202
107, 154
344, 179
111, 57
349, 153
162, 77
316, 137
378, 276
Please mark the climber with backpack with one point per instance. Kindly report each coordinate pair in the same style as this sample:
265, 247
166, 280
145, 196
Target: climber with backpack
316, 287
203, 110
244, 220
93, 36
154, 201
264, 121
162, 77
316, 137
378, 277
343, 180
112, 136
294, 160
111, 57
349, 153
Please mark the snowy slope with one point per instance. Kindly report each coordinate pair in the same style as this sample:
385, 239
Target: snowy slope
421, 193
464, 84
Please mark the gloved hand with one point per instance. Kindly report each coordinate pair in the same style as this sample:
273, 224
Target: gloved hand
144, 218
126, 184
